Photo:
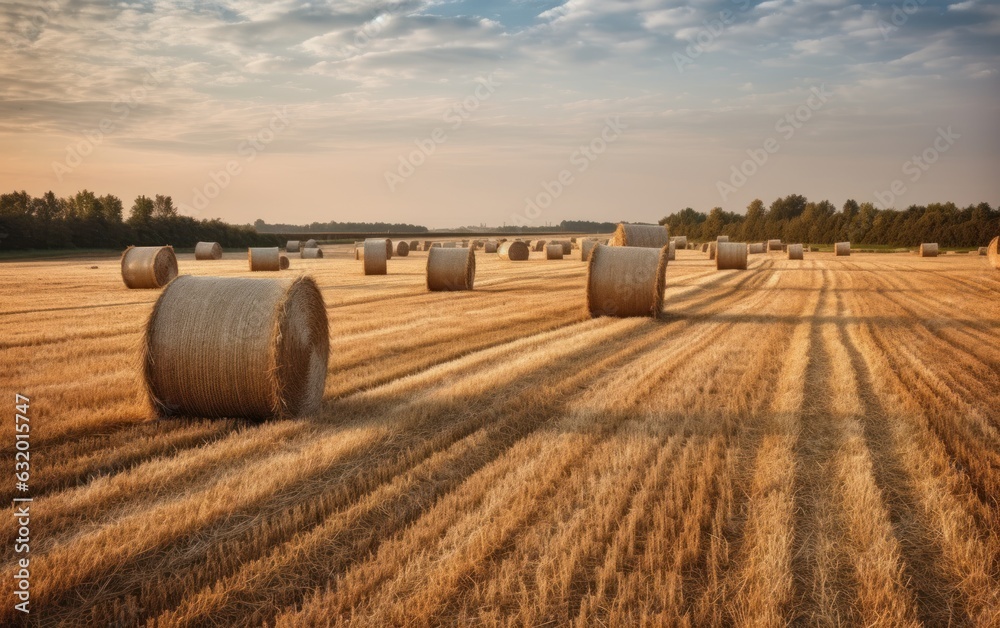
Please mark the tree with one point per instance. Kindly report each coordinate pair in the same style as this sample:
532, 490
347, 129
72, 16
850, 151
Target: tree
142, 210
163, 207
111, 207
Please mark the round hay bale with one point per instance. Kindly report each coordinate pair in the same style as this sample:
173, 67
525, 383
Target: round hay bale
414, 245
515, 251
756, 248
264, 258
465, 244
450, 245
375, 256
491, 246
842, 248
983, 250
293, 246
359, 252
795, 251
283, 262
554, 251
929, 249
427, 245
312, 253
237, 347
451, 269
730, 256
567, 246
539, 246
647, 236
626, 281
207, 250
311, 244
721, 238
148, 267
388, 248
993, 252
704, 247
402, 249
671, 251
712, 248
436, 245
773, 245
586, 248
680, 242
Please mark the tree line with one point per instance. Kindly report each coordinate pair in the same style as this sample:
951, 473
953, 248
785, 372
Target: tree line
796, 219
333, 225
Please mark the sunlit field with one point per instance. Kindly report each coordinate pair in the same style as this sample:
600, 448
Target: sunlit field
808, 442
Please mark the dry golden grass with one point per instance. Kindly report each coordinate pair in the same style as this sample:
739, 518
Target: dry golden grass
810, 442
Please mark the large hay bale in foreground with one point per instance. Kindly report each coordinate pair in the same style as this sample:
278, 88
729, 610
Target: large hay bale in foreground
929, 249
283, 262
721, 238
993, 252
515, 251
264, 258
236, 347
646, 236
491, 246
293, 246
402, 249
207, 251
586, 248
148, 267
554, 251
312, 253
755, 248
310, 244
451, 269
842, 248
375, 256
795, 251
626, 281
730, 256
539, 246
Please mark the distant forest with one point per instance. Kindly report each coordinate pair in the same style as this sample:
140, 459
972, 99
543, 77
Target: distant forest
86, 220
795, 219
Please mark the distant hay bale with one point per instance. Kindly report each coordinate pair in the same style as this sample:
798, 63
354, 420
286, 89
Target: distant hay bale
704, 247
414, 245
264, 258
427, 245
842, 248
374, 257
283, 262
402, 249
993, 252
207, 251
388, 248
515, 251
451, 269
730, 256
929, 249
755, 248
491, 246
148, 267
671, 251
293, 246
713, 248
586, 248
721, 238
450, 245
554, 251
435, 245
539, 245
982, 250
681, 242
312, 253
359, 252
465, 244
236, 347
647, 236
795, 251
311, 244
773, 245
626, 281
567, 246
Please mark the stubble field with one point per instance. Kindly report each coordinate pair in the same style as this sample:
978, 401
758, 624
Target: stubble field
808, 442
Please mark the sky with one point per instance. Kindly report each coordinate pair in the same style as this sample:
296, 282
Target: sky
458, 112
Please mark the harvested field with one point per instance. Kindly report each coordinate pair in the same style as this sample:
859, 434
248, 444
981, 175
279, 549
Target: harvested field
465, 472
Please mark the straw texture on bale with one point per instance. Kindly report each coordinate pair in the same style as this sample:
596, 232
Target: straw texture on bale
586, 248
671, 251
993, 252
722, 238
148, 267
567, 247
730, 256
264, 258
756, 247
450, 245
626, 281
713, 248
795, 251
388, 248
539, 245
207, 250
293, 246
681, 242
414, 245
312, 253
704, 247
283, 262
491, 246
451, 269
375, 257
515, 251
983, 250
929, 249
773, 245
402, 249
648, 236
436, 245
236, 347
311, 244
842, 248
554, 251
